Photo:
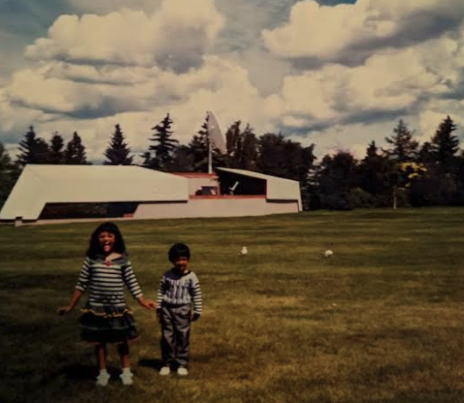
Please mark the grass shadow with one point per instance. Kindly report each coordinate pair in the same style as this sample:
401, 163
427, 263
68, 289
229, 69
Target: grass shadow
151, 363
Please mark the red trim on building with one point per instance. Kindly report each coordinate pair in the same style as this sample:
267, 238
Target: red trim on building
227, 197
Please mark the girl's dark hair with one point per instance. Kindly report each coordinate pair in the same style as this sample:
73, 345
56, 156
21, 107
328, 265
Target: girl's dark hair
94, 245
178, 250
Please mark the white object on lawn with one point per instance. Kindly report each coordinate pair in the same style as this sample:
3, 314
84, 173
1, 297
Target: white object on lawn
244, 251
328, 253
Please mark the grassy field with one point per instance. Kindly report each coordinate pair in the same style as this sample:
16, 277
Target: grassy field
381, 321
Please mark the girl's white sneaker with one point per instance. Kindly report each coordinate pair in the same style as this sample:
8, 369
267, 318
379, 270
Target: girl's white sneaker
103, 378
126, 378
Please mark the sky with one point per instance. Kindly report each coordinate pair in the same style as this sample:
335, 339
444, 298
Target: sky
338, 74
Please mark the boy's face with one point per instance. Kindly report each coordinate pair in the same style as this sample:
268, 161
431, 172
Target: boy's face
181, 264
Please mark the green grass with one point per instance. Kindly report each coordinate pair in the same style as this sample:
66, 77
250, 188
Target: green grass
381, 321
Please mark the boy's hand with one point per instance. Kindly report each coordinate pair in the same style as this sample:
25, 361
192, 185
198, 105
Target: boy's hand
195, 316
64, 310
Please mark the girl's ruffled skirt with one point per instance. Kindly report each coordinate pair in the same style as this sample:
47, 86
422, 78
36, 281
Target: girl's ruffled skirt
107, 325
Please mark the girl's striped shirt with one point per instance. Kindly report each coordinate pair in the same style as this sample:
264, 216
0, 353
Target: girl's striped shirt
105, 281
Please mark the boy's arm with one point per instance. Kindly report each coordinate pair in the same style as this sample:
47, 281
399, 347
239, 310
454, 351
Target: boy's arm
161, 291
196, 298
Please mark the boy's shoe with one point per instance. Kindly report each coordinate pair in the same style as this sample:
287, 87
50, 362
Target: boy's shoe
182, 371
103, 378
126, 378
165, 371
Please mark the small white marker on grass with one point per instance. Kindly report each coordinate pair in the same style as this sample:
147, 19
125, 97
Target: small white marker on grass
328, 253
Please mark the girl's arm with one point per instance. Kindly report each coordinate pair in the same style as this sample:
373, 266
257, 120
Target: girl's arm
74, 300
134, 288
82, 282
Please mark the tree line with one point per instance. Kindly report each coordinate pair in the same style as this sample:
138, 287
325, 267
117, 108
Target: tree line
405, 173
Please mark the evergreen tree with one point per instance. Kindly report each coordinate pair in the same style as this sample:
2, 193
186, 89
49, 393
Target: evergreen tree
75, 151
163, 146
403, 147
9, 173
445, 145
56, 155
33, 149
425, 155
118, 151
199, 147
233, 145
182, 160
147, 160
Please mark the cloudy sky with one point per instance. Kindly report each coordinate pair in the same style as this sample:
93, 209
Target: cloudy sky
335, 73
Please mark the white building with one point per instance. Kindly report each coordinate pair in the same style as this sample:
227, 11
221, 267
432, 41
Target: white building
51, 193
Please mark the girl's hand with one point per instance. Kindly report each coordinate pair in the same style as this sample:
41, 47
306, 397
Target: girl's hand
147, 304
64, 310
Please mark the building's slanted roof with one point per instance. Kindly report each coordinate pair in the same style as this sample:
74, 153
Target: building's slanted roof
41, 184
276, 188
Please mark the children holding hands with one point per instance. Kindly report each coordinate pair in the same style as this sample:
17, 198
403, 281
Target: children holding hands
106, 317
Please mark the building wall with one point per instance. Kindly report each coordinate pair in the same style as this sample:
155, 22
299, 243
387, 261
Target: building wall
215, 207
196, 184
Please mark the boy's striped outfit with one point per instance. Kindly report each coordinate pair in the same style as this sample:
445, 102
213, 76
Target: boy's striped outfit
178, 294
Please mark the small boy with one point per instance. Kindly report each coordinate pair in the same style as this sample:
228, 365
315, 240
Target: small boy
179, 291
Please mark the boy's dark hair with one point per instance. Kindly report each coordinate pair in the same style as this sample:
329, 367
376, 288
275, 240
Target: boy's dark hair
94, 245
178, 250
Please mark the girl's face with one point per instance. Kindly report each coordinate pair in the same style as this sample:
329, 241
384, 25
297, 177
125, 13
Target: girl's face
106, 241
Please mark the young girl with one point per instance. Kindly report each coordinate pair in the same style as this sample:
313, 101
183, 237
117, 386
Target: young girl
106, 317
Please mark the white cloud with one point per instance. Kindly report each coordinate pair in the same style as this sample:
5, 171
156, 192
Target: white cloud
352, 32
394, 81
173, 36
137, 98
133, 65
